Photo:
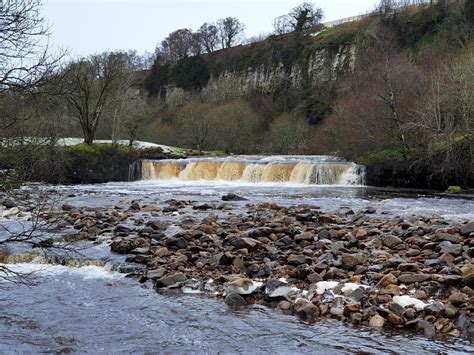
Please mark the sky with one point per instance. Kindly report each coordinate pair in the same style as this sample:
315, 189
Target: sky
85, 27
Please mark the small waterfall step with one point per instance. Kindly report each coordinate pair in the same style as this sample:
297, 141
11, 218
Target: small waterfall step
305, 169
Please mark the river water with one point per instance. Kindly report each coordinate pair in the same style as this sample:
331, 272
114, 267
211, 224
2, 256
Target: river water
94, 310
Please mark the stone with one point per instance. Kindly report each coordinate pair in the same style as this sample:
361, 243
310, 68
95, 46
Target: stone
233, 197
234, 300
246, 243
468, 279
377, 321
122, 229
458, 298
449, 311
156, 225
351, 260
410, 278
156, 274
391, 241
314, 277
294, 259
426, 327
387, 280
14, 211
467, 229
448, 247
306, 310
395, 319
336, 311
9, 203
284, 305
304, 236
172, 280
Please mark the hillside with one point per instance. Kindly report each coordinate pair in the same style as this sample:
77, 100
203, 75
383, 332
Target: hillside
362, 89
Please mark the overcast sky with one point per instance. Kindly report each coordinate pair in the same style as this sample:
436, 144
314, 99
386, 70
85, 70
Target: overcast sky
93, 26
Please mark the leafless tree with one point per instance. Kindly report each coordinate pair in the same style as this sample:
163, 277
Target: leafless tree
208, 36
231, 31
88, 88
196, 125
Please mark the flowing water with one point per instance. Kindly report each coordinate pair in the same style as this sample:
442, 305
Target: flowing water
93, 310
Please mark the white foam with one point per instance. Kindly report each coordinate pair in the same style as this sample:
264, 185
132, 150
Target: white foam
87, 272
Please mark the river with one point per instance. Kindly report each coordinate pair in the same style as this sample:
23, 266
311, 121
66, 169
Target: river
94, 310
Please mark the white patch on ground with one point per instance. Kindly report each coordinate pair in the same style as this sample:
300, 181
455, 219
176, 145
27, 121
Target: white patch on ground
406, 301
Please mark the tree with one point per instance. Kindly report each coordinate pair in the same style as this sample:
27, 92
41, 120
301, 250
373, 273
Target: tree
208, 36
196, 125
89, 86
301, 18
180, 44
231, 31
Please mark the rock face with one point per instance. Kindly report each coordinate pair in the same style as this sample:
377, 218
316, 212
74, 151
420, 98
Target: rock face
323, 65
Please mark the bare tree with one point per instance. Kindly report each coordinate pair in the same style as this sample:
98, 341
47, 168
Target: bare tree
301, 18
196, 125
231, 31
89, 86
208, 36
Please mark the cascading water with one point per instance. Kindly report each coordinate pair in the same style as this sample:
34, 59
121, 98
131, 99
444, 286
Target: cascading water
310, 170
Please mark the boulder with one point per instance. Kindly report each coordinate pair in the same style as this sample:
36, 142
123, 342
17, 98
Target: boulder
173, 280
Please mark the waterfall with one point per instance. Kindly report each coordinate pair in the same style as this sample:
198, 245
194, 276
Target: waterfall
309, 170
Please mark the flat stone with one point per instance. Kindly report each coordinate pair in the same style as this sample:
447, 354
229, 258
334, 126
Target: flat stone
448, 247
170, 280
304, 236
458, 298
294, 259
351, 260
156, 273
391, 241
246, 243
412, 278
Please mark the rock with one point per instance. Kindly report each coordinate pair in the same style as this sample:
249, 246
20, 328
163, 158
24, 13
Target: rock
123, 246
458, 298
468, 279
448, 279
14, 211
351, 260
277, 288
294, 259
243, 286
410, 278
284, 305
156, 225
246, 243
336, 311
234, 300
426, 327
387, 280
370, 210
306, 310
395, 319
122, 229
9, 203
301, 272
314, 277
173, 280
448, 247
467, 229
304, 236
391, 241
150, 208
449, 311
66, 207
233, 197
377, 321
155, 274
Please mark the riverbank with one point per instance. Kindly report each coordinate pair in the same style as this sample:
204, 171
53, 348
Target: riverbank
365, 266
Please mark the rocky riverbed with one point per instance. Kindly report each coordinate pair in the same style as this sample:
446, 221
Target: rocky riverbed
363, 266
